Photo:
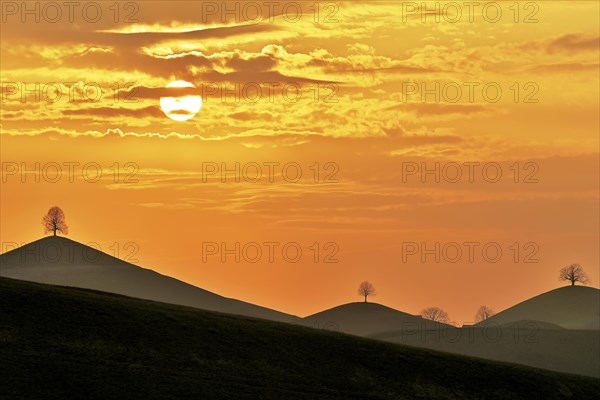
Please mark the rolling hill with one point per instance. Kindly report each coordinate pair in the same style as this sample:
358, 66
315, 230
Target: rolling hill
61, 261
571, 307
366, 319
65, 343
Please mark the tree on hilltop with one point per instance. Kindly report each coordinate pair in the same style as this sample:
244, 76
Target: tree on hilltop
366, 289
573, 273
54, 221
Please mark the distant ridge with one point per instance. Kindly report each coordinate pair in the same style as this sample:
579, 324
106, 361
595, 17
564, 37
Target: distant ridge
60, 261
571, 307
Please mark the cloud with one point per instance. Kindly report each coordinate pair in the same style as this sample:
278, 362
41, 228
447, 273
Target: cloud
566, 68
426, 109
575, 42
150, 111
422, 140
250, 115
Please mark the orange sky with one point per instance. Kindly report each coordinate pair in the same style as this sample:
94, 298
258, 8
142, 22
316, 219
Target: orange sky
352, 108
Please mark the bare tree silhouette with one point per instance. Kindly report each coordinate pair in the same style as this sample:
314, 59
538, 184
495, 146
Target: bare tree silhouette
573, 273
366, 289
435, 314
483, 313
54, 221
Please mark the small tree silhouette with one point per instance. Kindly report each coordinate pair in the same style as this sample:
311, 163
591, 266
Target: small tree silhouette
435, 314
483, 313
54, 221
573, 273
366, 289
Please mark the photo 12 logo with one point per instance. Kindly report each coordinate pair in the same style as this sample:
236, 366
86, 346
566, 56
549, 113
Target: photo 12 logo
69, 171
68, 92
469, 252
470, 11
420, 333
319, 12
42, 252
469, 172
270, 252
269, 172
272, 92
469, 92
69, 11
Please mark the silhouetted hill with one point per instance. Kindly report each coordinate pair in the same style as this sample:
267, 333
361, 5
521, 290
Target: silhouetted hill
61, 261
525, 342
571, 307
67, 343
366, 319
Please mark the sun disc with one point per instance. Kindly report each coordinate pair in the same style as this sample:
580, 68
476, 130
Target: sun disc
181, 108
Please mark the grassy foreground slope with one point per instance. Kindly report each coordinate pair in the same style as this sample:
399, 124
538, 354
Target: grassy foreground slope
65, 343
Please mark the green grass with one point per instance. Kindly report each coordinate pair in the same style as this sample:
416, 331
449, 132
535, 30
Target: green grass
66, 343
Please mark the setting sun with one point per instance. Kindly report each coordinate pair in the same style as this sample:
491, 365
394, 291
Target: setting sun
181, 108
